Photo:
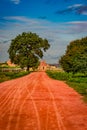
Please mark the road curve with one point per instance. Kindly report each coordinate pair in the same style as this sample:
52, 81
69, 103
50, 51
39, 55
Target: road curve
37, 102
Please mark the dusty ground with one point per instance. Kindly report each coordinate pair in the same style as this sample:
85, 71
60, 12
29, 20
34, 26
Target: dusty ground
37, 102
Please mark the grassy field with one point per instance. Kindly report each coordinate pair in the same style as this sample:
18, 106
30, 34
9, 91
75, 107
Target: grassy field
8, 73
4, 76
77, 81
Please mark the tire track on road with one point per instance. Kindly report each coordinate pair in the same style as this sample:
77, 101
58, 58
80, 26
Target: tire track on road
14, 104
46, 126
37, 102
35, 108
4, 101
58, 116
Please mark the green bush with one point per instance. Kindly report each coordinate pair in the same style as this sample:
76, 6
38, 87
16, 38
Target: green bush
60, 75
77, 81
4, 76
73, 60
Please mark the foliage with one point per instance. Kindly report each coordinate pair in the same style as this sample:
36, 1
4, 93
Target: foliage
81, 88
75, 58
4, 76
26, 49
58, 75
78, 81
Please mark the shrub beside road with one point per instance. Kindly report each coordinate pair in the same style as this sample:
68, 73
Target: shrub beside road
4, 76
77, 81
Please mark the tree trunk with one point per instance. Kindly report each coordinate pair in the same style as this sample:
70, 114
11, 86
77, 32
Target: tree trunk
28, 68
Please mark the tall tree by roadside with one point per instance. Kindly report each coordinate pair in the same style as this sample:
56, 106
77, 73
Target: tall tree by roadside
26, 49
75, 58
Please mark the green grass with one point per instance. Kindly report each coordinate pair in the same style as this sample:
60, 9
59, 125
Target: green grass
81, 88
77, 81
4, 76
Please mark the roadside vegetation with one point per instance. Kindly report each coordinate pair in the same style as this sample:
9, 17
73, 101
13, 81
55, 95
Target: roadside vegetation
77, 81
4, 76
75, 58
74, 63
8, 73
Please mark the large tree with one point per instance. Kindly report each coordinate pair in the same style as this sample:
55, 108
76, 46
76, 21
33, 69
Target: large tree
75, 58
26, 49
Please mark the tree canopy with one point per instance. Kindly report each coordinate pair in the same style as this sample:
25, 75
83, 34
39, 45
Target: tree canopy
26, 49
75, 58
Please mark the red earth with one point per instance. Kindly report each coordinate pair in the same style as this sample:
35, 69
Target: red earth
37, 102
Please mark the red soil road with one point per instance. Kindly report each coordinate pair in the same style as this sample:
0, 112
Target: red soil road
37, 102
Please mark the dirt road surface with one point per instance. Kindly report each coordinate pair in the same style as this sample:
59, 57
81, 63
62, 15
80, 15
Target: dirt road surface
37, 102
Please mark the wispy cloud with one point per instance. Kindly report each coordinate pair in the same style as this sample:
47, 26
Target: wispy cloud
77, 27
84, 13
51, 30
20, 18
16, 1
77, 22
58, 34
76, 8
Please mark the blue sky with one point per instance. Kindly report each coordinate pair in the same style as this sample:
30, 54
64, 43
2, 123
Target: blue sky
60, 21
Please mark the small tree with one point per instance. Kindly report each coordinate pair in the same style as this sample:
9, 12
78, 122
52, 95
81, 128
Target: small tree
75, 58
26, 49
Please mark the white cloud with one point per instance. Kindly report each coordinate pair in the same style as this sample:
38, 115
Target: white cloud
77, 22
21, 19
16, 1
84, 12
75, 6
78, 8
